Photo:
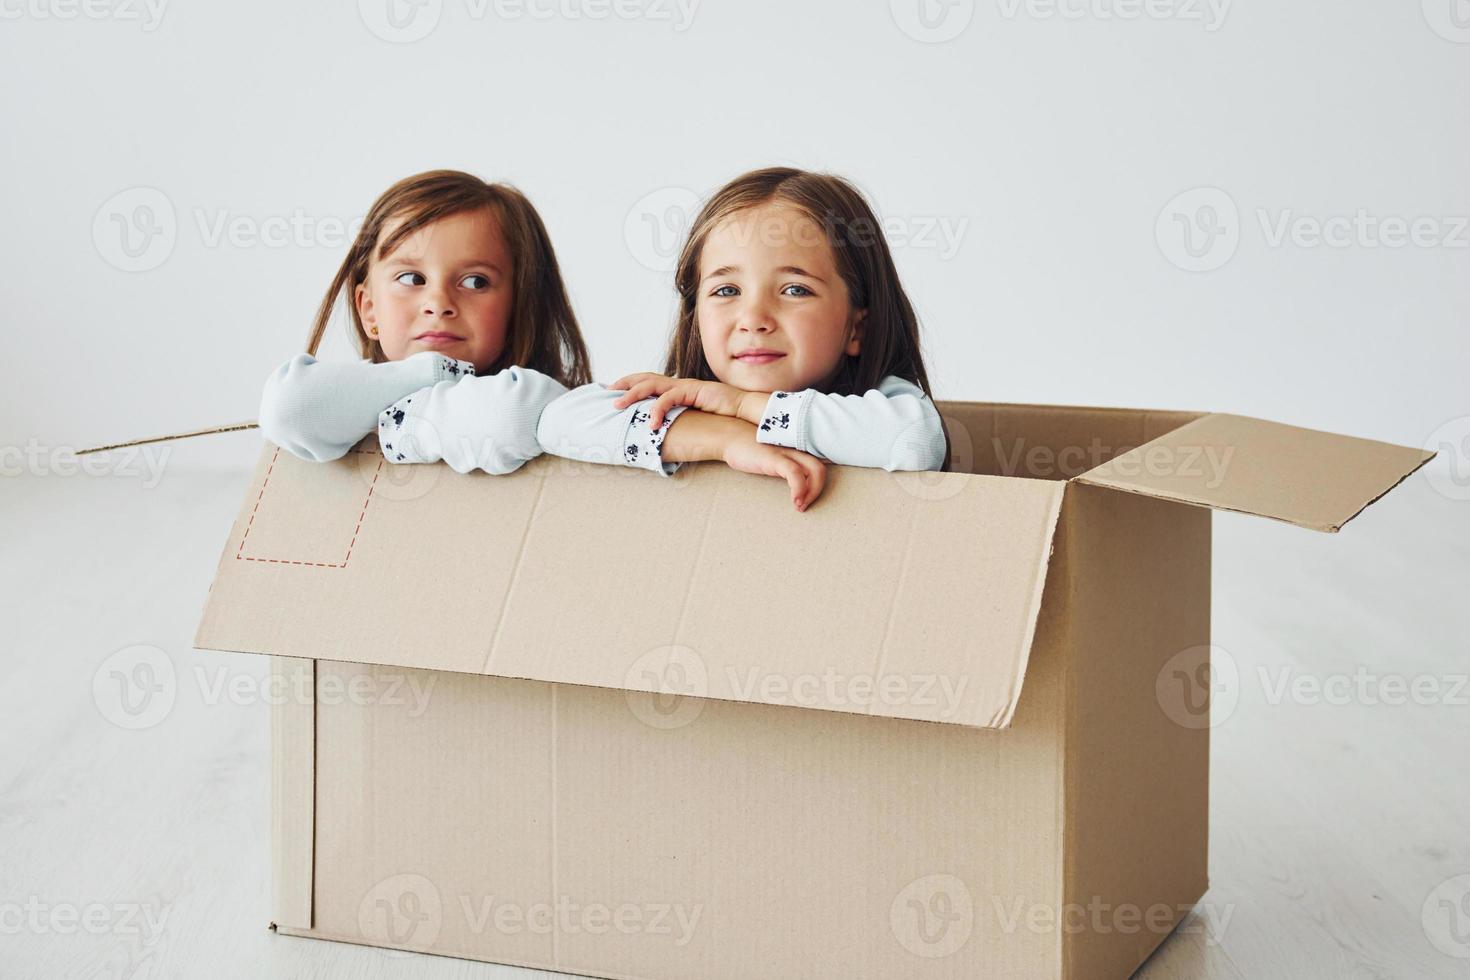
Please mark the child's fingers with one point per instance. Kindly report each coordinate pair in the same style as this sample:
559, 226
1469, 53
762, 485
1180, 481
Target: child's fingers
627, 380
636, 392
646, 386
666, 401
814, 472
817, 481
790, 470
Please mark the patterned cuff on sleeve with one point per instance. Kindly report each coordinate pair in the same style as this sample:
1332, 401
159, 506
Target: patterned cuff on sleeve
642, 446
400, 431
448, 369
783, 423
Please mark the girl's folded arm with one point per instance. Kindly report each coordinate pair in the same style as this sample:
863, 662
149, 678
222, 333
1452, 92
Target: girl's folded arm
318, 410
583, 425
486, 423
893, 427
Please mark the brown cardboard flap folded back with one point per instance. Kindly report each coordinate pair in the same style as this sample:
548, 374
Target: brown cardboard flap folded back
170, 437
906, 595
1317, 480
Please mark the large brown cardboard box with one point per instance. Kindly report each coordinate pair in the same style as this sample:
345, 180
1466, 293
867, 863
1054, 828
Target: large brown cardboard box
940, 725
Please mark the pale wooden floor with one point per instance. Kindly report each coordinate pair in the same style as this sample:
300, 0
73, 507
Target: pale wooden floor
1331, 823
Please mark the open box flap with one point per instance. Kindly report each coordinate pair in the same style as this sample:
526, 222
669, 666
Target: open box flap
905, 595
1317, 480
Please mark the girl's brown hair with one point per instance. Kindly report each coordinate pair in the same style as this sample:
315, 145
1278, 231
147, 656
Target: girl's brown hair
542, 333
890, 332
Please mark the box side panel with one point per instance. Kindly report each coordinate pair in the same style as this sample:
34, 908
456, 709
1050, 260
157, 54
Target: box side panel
338, 561
624, 834
293, 774
1137, 743
1046, 442
433, 810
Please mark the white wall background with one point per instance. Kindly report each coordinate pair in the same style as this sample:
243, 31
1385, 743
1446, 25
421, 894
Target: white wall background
1048, 139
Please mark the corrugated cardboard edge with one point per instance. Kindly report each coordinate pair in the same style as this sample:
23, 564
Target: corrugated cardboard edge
464, 957
1158, 494
1334, 528
1033, 612
236, 427
293, 792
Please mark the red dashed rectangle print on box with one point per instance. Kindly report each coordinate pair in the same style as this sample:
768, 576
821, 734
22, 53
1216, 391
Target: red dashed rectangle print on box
319, 529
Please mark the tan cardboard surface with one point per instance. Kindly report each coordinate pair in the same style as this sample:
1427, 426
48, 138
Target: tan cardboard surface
743, 840
1318, 480
1046, 442
901, 595
1138, 739
293, 791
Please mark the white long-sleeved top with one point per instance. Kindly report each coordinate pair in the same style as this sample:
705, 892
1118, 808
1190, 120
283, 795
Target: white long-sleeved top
486, 422
893, 427
583, 425
318, 410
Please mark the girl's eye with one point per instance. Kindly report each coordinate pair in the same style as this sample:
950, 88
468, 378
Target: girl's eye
724, 291
401, 277
475, 281
803, 290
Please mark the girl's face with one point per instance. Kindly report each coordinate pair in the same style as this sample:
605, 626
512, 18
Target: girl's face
773, 313
446, 287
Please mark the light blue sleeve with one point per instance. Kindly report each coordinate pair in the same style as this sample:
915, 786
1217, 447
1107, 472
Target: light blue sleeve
486, 423
320, 409
892, 427
583, 425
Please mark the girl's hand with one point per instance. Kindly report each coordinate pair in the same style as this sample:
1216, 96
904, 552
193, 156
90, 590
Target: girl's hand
804, 473
707, 396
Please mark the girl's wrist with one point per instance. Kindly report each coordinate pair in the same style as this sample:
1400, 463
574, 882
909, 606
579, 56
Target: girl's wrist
698, 435
752, 406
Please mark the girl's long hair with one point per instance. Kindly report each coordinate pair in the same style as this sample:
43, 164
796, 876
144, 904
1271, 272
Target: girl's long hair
542, 333
890, 331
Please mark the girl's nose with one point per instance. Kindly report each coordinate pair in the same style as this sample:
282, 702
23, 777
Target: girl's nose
439, 304
757, 318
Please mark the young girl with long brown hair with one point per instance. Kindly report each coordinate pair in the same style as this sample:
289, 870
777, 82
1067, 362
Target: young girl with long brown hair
795, 344
458, 310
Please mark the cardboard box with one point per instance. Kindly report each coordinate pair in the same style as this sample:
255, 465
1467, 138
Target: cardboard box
586, 719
